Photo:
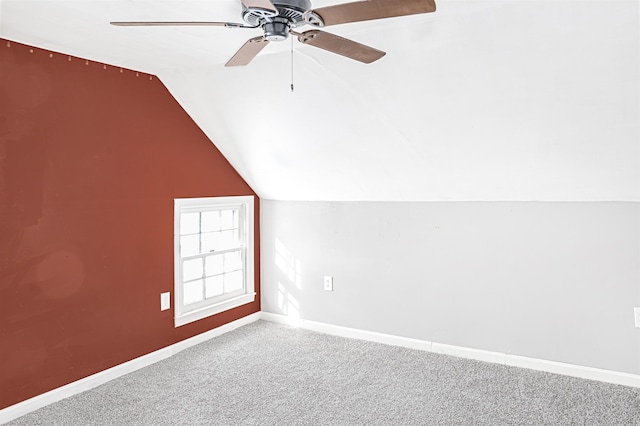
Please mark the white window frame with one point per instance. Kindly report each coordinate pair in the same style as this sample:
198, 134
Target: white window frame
185, 315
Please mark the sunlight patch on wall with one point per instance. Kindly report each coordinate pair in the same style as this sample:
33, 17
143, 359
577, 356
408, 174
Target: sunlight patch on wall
289, 280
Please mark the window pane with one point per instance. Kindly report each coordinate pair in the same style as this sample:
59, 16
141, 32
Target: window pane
214, 286
192, 292
227, 219
233, 282
213, 265
232, 261
209, 242
227, 239
189, 223
189, 245
210, 221
192, 269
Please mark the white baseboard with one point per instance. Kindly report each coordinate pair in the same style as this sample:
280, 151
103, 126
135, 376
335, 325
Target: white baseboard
14, 411
90, 382
573, 370
352, 333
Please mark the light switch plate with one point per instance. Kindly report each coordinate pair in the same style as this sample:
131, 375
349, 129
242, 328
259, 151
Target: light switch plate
165, 301
636, 315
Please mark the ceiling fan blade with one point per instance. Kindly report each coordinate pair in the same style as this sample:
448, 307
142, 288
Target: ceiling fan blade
260, 4
162, 24
340, 45
247, 52
370, 9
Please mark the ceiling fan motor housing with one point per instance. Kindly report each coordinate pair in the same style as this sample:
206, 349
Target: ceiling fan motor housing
276, 26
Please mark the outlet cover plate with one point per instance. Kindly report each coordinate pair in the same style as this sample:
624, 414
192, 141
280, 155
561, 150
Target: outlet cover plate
165, 301
636, 315
328, 283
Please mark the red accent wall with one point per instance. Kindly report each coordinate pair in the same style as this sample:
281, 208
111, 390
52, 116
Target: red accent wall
91, 159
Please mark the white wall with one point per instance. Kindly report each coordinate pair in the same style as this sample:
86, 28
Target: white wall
555, 281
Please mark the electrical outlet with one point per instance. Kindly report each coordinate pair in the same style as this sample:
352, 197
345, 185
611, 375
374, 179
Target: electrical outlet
328, 283
636, 315
165, 301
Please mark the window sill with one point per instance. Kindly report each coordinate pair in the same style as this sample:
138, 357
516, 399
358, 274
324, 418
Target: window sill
196, 315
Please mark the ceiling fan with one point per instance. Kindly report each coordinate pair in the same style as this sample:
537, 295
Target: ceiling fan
279, 18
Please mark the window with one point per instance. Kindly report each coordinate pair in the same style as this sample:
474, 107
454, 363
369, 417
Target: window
213, 244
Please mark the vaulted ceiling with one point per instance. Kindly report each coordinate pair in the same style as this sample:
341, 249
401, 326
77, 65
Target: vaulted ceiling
481, 100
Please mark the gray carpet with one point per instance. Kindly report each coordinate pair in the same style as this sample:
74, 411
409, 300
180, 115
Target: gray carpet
269, 374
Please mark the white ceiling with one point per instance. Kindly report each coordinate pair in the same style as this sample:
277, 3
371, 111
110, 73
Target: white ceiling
481, 100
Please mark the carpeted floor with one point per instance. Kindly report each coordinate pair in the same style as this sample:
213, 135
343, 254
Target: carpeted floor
269, 374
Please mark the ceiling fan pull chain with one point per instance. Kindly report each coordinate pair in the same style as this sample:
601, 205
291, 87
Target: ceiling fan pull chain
291, 63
